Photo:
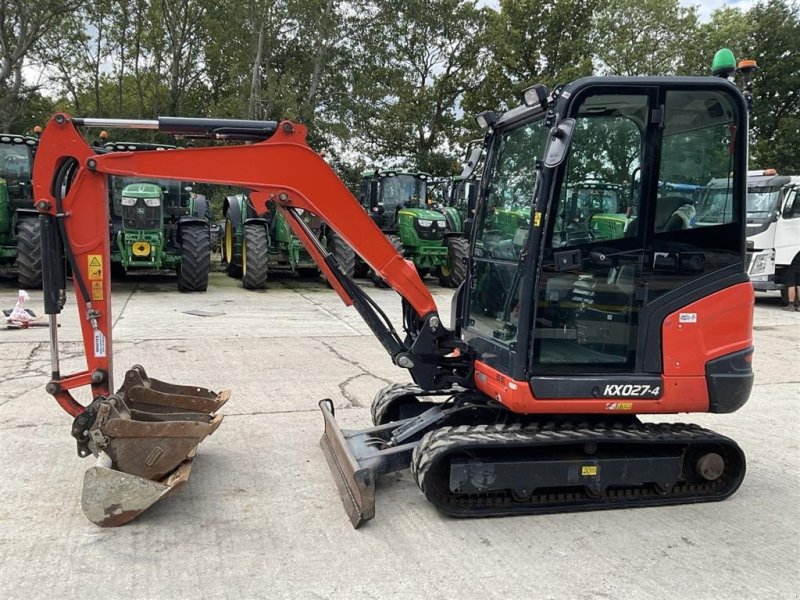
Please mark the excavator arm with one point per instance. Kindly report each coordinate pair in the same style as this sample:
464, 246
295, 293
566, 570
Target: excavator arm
149, 428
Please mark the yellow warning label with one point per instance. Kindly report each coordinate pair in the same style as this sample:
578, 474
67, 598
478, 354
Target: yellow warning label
96, 270
589, 471
97, 290
537, 219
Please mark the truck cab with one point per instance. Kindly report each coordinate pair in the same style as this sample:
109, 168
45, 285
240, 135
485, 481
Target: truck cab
773, 227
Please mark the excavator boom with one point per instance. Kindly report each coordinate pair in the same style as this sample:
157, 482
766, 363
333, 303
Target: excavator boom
150, 429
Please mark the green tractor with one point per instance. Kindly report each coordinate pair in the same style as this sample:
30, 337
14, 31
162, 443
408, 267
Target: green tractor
255, 245
159, 224
19, 221
398, 203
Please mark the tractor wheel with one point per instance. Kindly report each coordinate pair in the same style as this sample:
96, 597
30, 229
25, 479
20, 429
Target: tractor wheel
29, 254
233, 263
395, 241
343, 254
255, 256
195, 259
452, 274
360, 270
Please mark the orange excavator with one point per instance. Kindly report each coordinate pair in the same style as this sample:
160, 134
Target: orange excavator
563, 334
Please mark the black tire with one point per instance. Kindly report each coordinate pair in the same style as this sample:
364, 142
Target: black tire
342, 252
255, 256
457, 254
395, 241
29, 254
361, 269
231, 255
195, 259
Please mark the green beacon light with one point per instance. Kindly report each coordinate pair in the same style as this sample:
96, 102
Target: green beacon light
724, 64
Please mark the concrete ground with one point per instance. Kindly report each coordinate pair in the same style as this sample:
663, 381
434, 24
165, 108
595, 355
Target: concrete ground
261, 518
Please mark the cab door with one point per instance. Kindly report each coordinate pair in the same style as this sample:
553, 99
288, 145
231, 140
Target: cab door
590, 289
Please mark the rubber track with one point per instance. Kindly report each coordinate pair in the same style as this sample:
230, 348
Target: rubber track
436, 444
195, 259
256, 257
386, 397
29, 254
457, 254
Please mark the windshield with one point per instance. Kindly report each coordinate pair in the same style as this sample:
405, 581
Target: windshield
171, 188
15, 164
598, 200
407, 189
762, 201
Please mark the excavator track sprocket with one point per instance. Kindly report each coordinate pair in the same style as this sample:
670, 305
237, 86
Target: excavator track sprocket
499, 470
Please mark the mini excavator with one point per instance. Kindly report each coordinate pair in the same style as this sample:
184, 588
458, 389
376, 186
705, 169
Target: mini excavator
563, 334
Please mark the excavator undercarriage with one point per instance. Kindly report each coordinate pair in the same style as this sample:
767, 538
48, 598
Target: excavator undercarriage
473, 458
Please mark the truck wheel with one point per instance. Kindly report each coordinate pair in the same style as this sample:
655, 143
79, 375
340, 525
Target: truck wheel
395, 241
452, 274
29, 254
195, 259
231, 258
255, 256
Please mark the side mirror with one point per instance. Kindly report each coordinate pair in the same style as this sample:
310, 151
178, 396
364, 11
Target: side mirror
558, 145
472, 162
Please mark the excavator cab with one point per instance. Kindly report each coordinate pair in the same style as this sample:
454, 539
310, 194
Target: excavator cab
572, 334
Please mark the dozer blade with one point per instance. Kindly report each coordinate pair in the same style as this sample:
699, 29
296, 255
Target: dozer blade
149, 431
356, 458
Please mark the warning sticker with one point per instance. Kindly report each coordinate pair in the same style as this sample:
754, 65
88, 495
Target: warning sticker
95, 268
99, 344
97, 290
589, 470
537, 219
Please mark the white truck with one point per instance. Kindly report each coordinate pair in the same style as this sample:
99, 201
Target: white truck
773, 228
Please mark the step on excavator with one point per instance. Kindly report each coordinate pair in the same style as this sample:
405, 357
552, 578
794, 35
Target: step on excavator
531, 400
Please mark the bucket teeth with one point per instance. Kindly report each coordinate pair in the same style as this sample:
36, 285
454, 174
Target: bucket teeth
149, 431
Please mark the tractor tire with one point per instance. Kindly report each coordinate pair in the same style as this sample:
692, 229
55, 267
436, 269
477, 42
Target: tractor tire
343, 254
233, 263
255, 256
457, 254
195, 259
395, 241
360, 270
29, 254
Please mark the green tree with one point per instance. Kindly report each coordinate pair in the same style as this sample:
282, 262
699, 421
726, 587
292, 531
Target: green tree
775, 44
642, 37
533, 41
413, 61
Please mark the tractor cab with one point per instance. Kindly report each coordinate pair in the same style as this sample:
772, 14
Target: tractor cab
16, 163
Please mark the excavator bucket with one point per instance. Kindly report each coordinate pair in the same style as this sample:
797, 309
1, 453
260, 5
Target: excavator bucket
146, 436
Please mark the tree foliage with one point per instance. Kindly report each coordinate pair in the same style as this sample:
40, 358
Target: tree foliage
376, 81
